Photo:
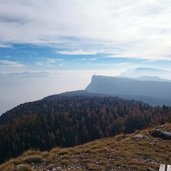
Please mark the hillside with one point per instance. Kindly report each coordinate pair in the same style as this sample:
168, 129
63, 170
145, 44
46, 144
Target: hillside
66, 120
144, 89
133, 152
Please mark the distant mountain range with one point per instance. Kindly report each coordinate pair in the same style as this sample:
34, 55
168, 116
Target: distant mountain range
152, 90
151, 78
150, 72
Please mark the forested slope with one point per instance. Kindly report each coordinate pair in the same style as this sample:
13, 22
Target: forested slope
72, 120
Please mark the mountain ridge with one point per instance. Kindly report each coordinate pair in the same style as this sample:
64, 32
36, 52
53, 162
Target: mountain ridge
132, 88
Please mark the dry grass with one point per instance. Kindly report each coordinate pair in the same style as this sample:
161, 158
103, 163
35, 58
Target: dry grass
120, 153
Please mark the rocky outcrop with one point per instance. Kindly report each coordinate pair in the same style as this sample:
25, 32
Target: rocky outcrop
161, 133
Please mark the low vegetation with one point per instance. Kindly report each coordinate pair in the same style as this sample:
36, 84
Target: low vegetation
126, 152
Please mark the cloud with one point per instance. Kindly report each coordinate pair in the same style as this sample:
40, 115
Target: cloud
126, 28
9, 66
50, 62
78, 52
5, 46
8, 63
88, 59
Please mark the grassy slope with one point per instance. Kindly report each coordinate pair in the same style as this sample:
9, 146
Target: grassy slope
120, 153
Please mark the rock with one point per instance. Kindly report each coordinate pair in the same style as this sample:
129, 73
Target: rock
51, 168
160, 127
22, 167
59, 168
150, 169
139, 136
166, 134
161, 134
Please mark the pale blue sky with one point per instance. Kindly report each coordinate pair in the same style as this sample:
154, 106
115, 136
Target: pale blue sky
59, 44
79, 34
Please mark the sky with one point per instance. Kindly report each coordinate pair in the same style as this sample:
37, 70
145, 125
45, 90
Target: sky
48, 47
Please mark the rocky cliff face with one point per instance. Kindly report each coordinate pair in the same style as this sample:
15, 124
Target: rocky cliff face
149, 91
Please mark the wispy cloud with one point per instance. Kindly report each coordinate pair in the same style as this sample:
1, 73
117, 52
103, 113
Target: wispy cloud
88, 59
8, 63
78, 52
50, 62
142, 29
5, 46
9, 66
